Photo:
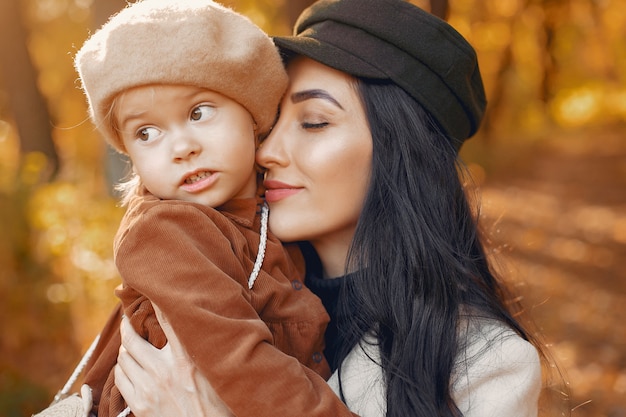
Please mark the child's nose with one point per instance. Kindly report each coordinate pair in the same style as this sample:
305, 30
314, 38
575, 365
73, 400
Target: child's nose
185, 145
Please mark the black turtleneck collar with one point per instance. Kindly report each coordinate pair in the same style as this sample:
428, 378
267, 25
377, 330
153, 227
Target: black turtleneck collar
328, 290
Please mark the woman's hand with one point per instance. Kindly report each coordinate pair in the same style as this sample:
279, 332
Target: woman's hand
163, 382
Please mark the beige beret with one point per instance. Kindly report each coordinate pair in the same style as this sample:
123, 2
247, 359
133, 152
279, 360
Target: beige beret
188, 42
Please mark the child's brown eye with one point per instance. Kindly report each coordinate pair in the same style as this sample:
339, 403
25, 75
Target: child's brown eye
202, 112
147, 133
143, 134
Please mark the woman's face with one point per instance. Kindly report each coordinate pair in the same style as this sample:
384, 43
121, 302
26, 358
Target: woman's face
318, 161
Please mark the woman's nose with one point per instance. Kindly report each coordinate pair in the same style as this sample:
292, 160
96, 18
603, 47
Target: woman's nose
272, 150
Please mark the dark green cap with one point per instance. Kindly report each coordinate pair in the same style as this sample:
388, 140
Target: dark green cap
397, 41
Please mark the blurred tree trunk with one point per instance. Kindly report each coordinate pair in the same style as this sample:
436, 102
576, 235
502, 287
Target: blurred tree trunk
103, 9
553, 12
440, 8
549, 25
293, 8
19, 77
116, 164
495, 100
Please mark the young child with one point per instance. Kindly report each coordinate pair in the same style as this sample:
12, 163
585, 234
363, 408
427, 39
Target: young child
185, 88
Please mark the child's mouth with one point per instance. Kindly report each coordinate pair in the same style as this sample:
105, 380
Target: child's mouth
197, 177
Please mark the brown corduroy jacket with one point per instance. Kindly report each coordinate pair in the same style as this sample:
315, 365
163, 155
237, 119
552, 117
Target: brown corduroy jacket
193, 262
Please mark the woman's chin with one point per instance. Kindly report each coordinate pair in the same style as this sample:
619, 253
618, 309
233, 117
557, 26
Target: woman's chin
285, 230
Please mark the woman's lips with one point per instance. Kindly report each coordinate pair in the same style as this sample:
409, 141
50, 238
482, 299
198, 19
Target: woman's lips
276, 190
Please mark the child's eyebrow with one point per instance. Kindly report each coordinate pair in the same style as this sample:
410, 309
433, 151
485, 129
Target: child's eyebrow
129, 117
300, 96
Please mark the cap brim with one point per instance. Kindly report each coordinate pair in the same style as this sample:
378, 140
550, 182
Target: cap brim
327, 54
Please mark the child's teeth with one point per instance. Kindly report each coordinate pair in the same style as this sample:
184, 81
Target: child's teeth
196, 177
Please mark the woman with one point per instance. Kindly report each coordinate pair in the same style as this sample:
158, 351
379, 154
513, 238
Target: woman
362, 164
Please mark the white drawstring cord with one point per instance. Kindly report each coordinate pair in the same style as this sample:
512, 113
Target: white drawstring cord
262, 245
77, 371
124, 413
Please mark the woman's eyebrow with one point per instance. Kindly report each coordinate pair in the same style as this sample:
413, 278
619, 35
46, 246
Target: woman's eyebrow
300, 96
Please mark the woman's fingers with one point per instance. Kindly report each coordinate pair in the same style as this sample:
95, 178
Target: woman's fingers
122, 382
201, 398
163, 382
177, 350
136, 347
128, 369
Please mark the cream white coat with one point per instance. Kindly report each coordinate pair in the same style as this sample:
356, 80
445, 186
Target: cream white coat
497, 374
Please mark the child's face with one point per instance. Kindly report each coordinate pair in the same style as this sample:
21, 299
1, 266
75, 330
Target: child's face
188, 143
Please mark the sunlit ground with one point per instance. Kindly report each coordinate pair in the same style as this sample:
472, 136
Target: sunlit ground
557, 212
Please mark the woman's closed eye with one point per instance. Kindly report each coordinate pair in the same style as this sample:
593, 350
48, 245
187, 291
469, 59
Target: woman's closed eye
202, 112
314, 125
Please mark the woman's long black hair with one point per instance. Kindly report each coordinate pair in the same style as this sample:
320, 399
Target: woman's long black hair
420, 261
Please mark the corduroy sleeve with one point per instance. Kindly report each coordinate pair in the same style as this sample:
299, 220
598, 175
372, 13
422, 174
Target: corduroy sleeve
187, 266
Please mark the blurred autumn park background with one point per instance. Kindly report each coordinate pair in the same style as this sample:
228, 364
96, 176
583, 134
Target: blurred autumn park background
550, 161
